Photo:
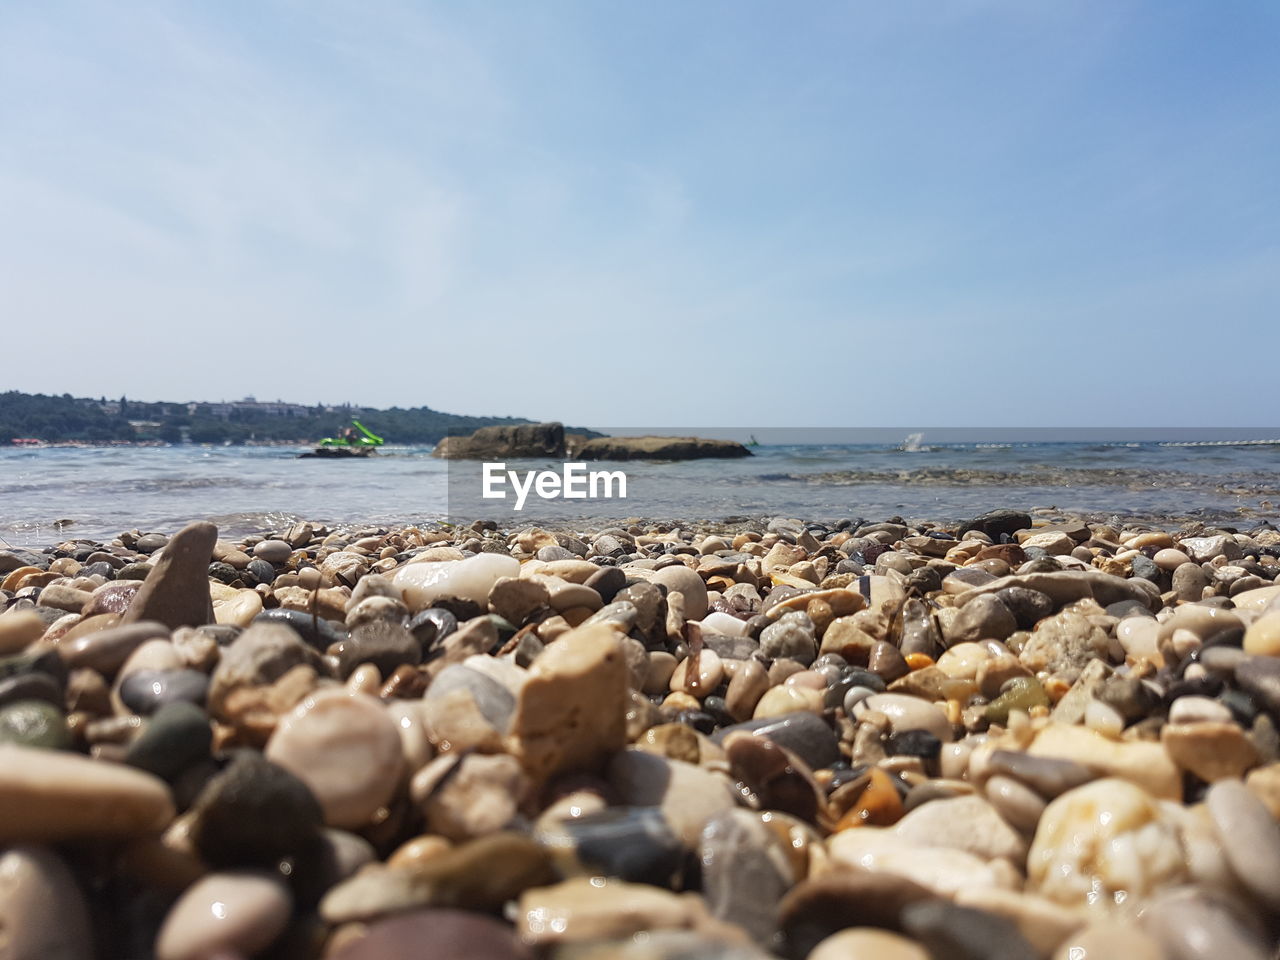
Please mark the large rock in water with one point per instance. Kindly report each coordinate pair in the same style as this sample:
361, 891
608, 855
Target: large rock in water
176, 591
658, 448
527, 440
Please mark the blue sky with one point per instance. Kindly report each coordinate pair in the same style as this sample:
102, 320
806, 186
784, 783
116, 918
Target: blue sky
943, 212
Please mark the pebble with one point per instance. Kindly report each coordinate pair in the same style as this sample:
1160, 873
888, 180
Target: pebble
345, 748
1017, 803
825, 904
1262, 638
146, 691
1250, 839
1103, 844
1108, 939
34, 723
437, 934
55, 796
1192, 926
679, 578
969, 823
107, 650
960, 933
176, 591
43, 914
570, 714
465, 797
745, 873
177, 737
1213, 750
253, 813
908, 713
225, 913
422, 584
1043, 768
630, 843
867, 943
687, 795
589, 908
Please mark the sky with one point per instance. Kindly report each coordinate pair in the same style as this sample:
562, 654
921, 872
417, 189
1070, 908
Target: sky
952, 212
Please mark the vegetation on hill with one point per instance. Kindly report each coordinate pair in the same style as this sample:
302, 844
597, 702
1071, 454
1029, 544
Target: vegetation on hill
68, 418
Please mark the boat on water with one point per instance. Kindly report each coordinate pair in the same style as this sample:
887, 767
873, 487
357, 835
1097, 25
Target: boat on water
347, 444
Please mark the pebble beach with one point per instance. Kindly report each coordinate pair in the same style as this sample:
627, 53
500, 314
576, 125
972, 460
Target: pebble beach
1008, 738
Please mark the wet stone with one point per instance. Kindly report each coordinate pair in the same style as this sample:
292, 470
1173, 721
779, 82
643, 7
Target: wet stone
146, 691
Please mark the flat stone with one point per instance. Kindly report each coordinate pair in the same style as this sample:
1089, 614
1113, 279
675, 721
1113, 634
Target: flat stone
571, 712
176, 591
275, 552
43, 914
51, 796
1066, 586
234, 913
316, 631
1142, 763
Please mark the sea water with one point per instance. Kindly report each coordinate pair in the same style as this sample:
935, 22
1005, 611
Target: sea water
97, 492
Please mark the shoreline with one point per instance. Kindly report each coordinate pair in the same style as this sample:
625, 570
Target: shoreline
909, 728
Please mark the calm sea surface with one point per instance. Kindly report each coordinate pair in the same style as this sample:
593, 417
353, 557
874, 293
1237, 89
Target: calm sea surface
103, 491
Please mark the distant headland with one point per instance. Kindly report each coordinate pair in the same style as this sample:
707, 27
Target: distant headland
66, 419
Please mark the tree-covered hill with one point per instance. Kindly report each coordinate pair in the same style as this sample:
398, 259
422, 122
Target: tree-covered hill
68, 418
